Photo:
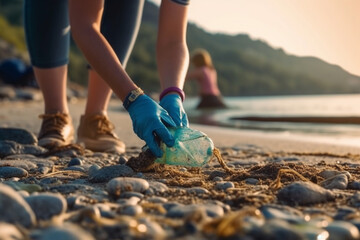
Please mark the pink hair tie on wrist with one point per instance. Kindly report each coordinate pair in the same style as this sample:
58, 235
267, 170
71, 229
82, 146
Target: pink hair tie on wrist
173, 89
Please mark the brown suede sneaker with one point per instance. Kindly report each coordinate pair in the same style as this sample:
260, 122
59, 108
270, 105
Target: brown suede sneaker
96, 133
56, 130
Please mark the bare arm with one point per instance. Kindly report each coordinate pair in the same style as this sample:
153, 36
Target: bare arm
85, 17
172, 50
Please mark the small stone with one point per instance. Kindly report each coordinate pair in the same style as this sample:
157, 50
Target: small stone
130, 194
122, 160
303, 193
276, 229
343, 230
18, 135
181, 211
197, 190
14, 208
355, 185
10, 148
355, 200
218, 179
224, 185
10, 232
157, 200
286, 213
105, 174
251, 181
132, 201
126, 184
47, 205
75, 162
158, 187
9, 172
67, 231
332, 173
132, 210
337, 182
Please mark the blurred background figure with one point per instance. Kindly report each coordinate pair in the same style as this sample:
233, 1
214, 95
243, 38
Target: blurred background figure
15, 72
204, 72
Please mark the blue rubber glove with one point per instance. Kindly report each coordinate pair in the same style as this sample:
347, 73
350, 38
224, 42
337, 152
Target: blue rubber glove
149, 122
173, 105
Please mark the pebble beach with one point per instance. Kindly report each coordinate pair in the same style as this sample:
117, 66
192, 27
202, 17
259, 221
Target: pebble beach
260, 186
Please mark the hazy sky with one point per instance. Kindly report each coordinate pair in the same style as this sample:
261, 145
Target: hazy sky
328, 29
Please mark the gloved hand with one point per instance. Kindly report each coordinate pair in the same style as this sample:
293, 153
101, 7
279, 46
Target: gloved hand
173, 105
149, 121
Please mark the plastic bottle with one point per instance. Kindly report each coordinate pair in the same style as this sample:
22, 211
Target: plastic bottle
192, 148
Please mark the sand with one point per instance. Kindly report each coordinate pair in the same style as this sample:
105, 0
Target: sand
24, 114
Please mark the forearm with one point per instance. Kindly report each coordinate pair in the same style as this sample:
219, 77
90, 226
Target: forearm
173, 61
172, 51
100, 54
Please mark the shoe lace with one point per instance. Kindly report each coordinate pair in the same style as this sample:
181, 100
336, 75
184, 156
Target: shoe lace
53, 123
104, 126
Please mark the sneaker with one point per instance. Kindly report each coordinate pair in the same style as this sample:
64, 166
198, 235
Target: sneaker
95, 132
56, 130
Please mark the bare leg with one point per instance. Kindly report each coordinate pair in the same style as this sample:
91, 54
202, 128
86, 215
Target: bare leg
52, 82
99, 94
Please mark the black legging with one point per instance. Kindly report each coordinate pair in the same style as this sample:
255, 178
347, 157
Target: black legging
47, 29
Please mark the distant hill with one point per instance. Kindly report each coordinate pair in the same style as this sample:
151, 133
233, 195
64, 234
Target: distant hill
245, 66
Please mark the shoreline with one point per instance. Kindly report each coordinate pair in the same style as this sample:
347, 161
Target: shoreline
22, 114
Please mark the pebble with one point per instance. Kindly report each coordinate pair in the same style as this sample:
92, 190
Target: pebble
158, 187
304, 193
18, 135
125, 184
71, 188
133, 210
14, 209
277, 230
181, 211
355, 185
122, 160
285, 213
47, 205
224, 185
251, 181
75, 162
105, 174
343, 230
332, 173
10, 232
9, 172
355, 200
132, 201
197, 190
68, 232
336, 182
151, 229
129, 194
28, 187
11, 148
157, 200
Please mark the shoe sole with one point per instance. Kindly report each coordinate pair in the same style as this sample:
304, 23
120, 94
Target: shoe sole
94, 145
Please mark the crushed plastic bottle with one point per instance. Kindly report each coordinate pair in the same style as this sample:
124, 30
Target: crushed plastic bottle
192, 148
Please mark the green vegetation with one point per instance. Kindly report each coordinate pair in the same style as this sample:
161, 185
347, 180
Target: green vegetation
245, 66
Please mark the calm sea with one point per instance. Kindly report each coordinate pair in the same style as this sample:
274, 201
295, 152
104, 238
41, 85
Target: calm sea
333, 118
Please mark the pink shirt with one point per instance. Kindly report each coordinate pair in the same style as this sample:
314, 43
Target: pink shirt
207, 79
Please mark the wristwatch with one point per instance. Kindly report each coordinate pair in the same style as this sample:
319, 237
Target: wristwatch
132, 96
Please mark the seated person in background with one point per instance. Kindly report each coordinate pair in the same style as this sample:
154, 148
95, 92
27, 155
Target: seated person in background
206, 76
